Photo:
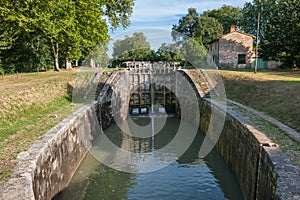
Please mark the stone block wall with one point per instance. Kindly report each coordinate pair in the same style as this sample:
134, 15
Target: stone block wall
63, 149
261, 168
47, 167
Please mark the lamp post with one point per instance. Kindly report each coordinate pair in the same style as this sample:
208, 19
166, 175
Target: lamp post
257, 35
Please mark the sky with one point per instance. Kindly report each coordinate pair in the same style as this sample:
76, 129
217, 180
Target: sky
165, 13
155, 17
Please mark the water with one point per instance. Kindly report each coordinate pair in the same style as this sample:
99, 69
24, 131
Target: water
188, 177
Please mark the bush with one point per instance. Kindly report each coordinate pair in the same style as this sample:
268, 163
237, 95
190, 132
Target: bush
287, 63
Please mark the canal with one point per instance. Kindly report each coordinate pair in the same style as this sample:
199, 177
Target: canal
187, 177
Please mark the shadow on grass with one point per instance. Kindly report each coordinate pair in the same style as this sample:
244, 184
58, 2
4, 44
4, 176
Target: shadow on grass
279, 98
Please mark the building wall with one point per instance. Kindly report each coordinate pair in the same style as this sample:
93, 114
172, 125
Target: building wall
213, 55
233, 44
224, 52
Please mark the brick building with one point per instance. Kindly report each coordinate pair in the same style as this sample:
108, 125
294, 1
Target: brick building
232, 50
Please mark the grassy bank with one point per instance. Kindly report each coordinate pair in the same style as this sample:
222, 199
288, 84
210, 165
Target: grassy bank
30, 105
274, 93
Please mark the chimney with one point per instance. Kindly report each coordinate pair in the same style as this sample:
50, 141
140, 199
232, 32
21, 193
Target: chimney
232, 28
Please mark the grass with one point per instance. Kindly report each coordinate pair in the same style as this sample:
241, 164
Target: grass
287, 144
274, 93
31, 104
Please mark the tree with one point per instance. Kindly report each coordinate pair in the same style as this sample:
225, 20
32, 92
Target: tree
98, 57
210, 29
201, 29
193, 53
6, 39
132, 48
187, 26
226, 15
70, 28
22, 48
249, 16
275, 42
83, 27
168, 52
29, 53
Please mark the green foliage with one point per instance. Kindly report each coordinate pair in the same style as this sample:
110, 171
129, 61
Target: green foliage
250, 16
188, 25
29, 53
99, 55
136, 48
69, 29
210, 29
118, 12
193, 53
226, 15
1, 69
279, 29
275, 42
168, 52
132, 48
201, 29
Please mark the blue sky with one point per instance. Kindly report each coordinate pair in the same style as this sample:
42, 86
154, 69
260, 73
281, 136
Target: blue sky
165, 13
156, 17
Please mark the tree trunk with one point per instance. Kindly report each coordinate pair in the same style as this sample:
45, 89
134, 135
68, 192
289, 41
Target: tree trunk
68, 63
76, 63
92, 62
55, 56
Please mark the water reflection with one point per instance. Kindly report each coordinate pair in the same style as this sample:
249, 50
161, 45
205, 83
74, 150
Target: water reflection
189, 177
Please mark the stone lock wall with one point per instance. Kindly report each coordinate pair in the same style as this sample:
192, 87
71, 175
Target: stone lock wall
261, 168
263, 171
63, 152
47, 167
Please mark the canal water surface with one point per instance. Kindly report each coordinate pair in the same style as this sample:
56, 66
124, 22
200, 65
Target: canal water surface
187, 177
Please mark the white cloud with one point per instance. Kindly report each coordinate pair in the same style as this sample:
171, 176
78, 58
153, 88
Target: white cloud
169, 10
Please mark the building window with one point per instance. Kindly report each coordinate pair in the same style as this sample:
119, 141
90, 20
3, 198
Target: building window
241, 58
